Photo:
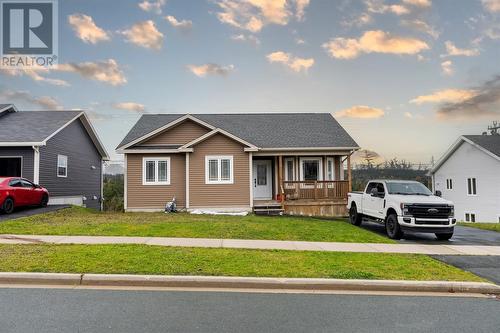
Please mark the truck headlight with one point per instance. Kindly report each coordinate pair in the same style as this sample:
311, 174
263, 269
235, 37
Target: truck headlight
405, 209
452, 211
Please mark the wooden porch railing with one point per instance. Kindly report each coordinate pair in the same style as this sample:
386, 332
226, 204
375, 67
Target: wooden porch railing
316, 189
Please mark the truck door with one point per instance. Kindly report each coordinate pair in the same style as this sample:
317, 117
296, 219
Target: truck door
373, 203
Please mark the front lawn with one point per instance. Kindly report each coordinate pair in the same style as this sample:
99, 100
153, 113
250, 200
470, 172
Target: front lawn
143, 259
484, 226
80, 221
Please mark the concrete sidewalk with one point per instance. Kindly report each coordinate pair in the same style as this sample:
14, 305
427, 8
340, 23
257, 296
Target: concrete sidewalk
438, 249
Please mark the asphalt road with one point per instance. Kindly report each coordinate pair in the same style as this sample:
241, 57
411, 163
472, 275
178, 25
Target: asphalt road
58, 310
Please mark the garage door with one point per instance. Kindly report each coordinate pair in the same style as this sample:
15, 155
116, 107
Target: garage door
10, 166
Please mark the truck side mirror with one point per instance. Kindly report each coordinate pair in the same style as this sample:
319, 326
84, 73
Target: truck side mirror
438, 193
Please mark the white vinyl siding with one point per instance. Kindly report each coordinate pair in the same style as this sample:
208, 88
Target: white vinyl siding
156, 171
219, 169
62, 166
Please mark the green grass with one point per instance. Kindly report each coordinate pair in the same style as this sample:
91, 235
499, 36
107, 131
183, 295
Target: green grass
484, 226
143, 259
80, 221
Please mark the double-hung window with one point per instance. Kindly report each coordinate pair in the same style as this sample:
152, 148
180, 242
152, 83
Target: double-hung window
311, 168
62, 166
219, 169
470, 217
156, 171
471, 186
449, 184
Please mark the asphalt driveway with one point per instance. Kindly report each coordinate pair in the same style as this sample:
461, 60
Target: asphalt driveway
29, 211
461, 236
487, 267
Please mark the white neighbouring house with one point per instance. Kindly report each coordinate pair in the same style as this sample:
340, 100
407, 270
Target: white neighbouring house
469, 175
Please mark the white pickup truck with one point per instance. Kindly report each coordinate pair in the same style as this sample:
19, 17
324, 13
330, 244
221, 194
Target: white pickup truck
402, 206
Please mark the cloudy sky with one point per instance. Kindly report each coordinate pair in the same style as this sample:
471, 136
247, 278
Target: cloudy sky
405, 77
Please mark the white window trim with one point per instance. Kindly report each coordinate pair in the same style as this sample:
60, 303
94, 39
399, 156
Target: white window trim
286, 160
470, 217
219, 169
320, 165
156, 160
467, 186
60, 166
334, 173
449, 181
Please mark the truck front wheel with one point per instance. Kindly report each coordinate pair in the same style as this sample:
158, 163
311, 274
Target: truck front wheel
354, 217
392, 227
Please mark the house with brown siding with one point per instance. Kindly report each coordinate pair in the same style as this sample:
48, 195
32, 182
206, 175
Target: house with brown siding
298, 163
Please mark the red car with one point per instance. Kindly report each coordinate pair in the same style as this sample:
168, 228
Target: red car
17, 192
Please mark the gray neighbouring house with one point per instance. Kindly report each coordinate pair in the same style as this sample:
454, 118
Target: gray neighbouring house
59, 150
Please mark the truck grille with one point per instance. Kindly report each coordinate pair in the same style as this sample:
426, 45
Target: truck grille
433, 222
429, 211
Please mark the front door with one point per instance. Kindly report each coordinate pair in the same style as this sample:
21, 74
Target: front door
262, 180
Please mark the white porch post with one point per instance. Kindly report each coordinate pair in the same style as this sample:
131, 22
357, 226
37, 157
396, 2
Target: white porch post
36, 164
187, 180
250, 168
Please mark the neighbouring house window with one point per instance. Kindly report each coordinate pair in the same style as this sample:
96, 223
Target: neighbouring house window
470, 217
219, 169
310, 168
62, 166
449, 184
471, 186
330, 168
289, 169
156, 171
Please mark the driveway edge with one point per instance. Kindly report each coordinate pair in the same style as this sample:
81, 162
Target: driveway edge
215, 282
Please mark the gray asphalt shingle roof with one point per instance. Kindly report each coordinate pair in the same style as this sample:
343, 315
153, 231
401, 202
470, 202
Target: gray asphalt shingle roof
488, 142
32, 126
273, 130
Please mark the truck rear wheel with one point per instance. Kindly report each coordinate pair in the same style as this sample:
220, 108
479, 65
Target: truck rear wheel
392, 227
354, 217
444, 236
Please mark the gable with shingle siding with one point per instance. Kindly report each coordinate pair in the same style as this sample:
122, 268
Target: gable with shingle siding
179, 135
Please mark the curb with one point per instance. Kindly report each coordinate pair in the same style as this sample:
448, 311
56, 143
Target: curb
246, 283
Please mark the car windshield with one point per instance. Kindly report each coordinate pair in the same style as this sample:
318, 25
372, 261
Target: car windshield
408, 188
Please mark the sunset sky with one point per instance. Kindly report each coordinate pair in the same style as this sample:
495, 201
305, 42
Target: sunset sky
404, 77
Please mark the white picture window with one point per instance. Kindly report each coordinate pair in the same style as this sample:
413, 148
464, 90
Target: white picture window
311, 168
289, 169
470, 217
219, 169
449, 184
156, 171
471, 186
62, 166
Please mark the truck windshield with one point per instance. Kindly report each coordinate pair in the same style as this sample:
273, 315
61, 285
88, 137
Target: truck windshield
407, 188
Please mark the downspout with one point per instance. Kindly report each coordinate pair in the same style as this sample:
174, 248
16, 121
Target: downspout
102, 183
36, 164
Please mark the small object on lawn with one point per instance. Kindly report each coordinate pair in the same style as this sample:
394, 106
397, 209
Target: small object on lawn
171, 207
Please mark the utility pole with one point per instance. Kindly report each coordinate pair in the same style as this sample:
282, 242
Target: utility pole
494, 128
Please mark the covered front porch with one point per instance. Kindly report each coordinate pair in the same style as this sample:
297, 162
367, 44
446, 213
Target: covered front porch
302, 184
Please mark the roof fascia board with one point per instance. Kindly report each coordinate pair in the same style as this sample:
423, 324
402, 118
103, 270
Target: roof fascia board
165, 127
22, 144
154, 151
308, 148
453, 148
221, 131
95, 138
446, 155
62, 127
482, 148
8, 107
